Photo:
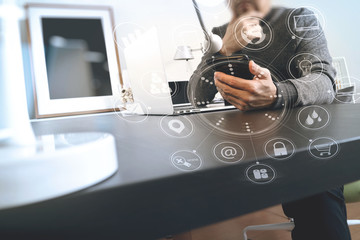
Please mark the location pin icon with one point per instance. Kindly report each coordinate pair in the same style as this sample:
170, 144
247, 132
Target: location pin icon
176, 126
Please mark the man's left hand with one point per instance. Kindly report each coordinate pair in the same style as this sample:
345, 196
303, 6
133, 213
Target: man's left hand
246, 94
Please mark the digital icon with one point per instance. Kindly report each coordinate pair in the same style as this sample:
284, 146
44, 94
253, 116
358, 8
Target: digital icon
228, 152
135, 112
129, 30
181, 161
304, 23
252, 29
155, 84
323, 148
186, 160
313, 117
260, 173
279, 148
178, 127
301, 65
134, 108
305, 66
305, 26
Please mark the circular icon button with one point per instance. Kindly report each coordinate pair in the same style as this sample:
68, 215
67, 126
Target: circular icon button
306, 23
260, 173
135, 112
302, 65
186, 160
155, 84
323, 148
179, 127
313, 117
250, 26
279, 148
228, 152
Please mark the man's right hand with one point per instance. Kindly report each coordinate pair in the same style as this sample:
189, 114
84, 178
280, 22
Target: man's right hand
240, 32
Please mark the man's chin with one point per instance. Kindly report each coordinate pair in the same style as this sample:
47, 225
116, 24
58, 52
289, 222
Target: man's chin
244, 9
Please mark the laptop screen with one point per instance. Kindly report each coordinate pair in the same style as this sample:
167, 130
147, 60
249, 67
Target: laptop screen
179, 92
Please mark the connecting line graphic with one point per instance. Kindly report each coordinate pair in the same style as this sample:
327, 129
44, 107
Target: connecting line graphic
253, 146
204, 139
283, 125
279, 53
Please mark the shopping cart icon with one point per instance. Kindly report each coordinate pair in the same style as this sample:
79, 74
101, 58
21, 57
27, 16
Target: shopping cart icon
324, 149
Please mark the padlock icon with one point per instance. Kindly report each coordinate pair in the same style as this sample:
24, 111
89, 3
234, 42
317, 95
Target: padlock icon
280, 149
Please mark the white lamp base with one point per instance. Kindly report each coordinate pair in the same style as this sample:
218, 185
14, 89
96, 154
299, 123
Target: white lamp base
57, 165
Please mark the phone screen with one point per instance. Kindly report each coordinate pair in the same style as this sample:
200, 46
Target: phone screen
237, 66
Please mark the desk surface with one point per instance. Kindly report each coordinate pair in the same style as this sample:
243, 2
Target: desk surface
169, 182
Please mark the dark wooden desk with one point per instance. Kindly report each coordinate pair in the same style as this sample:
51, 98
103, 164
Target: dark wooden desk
149, 197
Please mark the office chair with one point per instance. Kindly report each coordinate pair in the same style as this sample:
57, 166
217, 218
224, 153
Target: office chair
351, 194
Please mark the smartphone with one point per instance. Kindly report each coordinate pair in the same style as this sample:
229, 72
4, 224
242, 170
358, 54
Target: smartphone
237, 65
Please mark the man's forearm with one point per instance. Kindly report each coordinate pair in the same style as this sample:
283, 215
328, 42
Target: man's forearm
305, 91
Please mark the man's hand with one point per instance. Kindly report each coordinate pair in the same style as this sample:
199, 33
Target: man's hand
240, 32
244, 94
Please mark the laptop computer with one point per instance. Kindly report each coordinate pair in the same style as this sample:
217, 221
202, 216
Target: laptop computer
150, 87
182, 105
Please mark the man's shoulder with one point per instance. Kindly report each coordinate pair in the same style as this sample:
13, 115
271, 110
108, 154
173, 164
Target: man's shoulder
221, 30
285, 12
277, 14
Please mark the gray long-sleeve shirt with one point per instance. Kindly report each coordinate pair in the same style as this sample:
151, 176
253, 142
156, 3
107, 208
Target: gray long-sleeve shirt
294, 50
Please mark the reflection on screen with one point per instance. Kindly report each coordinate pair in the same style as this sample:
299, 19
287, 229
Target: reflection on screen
179, 92
76, 59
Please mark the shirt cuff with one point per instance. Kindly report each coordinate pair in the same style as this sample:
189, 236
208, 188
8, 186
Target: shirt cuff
286, 95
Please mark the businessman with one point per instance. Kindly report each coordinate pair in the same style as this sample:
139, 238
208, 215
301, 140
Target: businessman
288, 44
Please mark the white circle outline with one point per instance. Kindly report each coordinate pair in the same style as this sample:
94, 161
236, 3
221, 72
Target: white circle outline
123, 23
301, 110
279, 138
117, 112
172, 156
297, 55
202, 117
207, 12
242, 149
308, 8
146, 90
176, 88
191, 132
262, 183
207, 36
273, 125
253, 49
324, 158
